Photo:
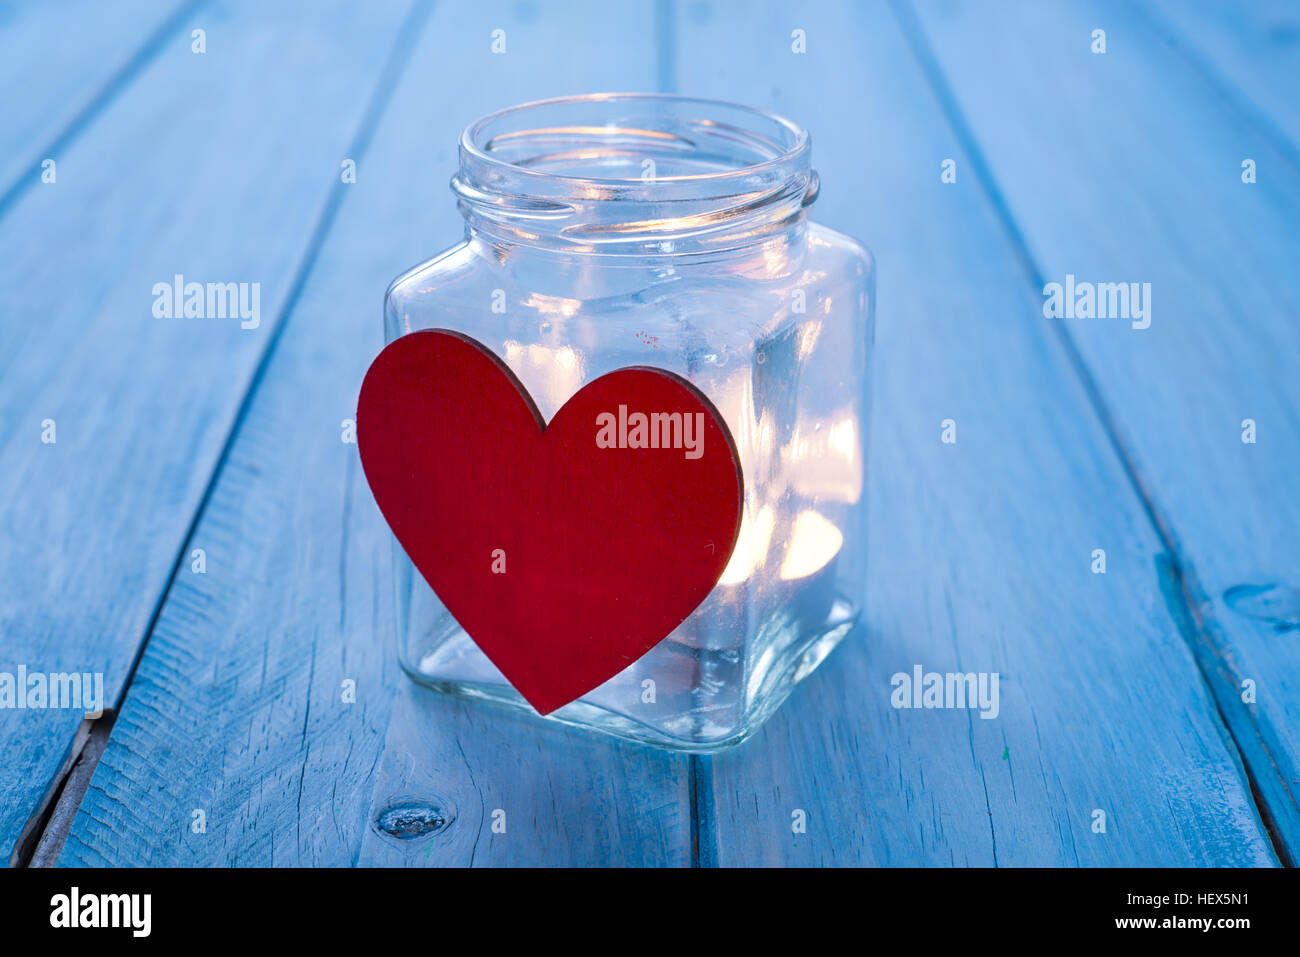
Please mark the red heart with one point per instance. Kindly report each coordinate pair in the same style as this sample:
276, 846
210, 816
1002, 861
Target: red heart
605, 550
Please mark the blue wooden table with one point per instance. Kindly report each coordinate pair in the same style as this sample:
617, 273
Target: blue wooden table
178, 511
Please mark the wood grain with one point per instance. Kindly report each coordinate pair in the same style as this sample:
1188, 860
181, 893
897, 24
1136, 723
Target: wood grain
215, 166
1168, 207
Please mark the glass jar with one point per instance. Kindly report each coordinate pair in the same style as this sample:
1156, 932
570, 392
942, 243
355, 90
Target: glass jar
619, 230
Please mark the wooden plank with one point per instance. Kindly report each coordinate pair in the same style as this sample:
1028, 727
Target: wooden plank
1249, 52
214, 166
981, 549
236, 708
1125, 167
61, 64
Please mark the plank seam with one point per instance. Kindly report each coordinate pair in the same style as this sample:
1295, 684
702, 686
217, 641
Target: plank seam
699, 767
56, 824
1204, 649
407, 35
112, 88
700, 786
32, 832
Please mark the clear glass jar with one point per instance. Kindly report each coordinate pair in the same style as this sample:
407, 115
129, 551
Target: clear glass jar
615, 230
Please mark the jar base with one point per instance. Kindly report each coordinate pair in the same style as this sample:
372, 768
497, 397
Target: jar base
798, 659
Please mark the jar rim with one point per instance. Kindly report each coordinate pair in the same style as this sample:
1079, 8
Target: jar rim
699, 174
791, 156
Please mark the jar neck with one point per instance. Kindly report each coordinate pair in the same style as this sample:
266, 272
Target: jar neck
639, 176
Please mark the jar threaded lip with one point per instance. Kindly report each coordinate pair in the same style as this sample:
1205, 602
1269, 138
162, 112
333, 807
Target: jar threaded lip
684, 169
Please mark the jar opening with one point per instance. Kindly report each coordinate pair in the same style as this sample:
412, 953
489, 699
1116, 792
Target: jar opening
630, 172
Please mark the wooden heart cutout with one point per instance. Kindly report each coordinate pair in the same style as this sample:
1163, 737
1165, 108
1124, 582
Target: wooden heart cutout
565, 550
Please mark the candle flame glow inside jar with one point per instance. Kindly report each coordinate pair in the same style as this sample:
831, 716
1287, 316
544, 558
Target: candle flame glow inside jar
626, 229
